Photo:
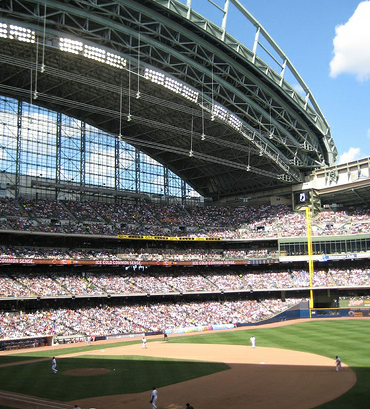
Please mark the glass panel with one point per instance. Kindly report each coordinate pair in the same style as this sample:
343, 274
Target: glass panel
97, 162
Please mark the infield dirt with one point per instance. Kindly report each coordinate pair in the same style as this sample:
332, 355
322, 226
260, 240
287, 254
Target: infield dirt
260, 378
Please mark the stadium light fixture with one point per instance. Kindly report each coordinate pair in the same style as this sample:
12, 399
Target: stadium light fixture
14, 32
93, 53
171, 84
234, 122
98, 54
154, 76
3, 30
115, 60
220, 112
189, 94
70, 46
76, 47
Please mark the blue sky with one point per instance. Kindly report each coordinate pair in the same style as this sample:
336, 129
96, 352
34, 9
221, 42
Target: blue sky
328, 42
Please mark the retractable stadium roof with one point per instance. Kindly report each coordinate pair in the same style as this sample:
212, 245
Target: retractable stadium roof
163, 78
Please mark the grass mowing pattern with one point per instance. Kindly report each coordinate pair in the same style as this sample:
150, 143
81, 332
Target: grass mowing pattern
5, 359
127, 375
46, 353
347, 338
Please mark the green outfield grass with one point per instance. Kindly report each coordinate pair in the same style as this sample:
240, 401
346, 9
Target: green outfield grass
347, 338
45, 353
129, 374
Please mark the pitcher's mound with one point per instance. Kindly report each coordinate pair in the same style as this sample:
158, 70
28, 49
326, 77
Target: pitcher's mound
87, 371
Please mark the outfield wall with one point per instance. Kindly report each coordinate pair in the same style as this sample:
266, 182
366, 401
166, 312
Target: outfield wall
299, 311
27, 342
340, 312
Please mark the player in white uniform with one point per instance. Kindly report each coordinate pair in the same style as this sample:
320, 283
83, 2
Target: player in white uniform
153, 398
253, 341
143, 343
338, 363
54, 365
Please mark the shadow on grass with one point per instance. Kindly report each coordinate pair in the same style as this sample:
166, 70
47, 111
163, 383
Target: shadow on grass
122, 376
6, 359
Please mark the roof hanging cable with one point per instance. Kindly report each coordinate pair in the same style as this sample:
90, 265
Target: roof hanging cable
138, 66
129, 91
31, 83
213, 101
191, 137
203, 136
271, 134
42, 69
35, 92
120, 113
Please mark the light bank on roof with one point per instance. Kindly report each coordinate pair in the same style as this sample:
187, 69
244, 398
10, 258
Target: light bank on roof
223, 116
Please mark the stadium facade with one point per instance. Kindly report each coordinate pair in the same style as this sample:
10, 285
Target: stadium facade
132, 102
171, 83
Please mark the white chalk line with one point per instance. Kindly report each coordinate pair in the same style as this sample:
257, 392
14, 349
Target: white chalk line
35, 401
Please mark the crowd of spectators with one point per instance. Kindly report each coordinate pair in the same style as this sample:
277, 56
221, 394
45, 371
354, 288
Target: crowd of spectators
110, 219
177, 281
113, 320
354, 301
131, 254
144, 218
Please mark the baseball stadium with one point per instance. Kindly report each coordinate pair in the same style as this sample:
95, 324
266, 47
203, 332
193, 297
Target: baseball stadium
173, 217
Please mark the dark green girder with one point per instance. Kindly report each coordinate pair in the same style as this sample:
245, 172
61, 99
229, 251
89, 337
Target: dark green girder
279, 138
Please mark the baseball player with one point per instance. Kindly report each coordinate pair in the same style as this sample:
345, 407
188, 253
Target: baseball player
338, 363
54, 365
153, 398
143, 343
253, 341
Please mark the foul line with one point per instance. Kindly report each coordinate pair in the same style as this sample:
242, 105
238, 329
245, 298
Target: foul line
35, 401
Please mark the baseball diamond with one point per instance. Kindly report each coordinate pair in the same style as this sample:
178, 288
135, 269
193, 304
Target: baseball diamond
175, 226
262, 376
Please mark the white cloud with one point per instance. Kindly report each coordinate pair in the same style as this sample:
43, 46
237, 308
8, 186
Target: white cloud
351, 155
352, 45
